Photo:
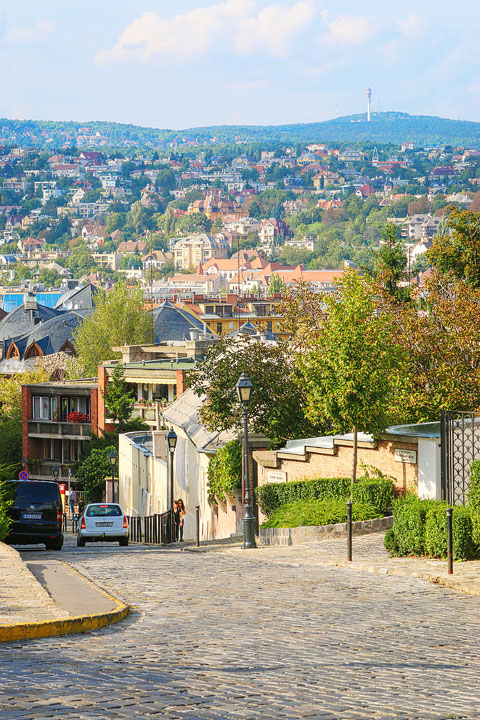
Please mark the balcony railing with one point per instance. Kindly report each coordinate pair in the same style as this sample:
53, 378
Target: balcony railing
60, 428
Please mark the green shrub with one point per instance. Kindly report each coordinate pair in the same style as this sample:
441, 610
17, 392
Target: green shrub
325, 511
225, 471
376, 492
390, 542
7, 472
474, 499
409, 514
464, 546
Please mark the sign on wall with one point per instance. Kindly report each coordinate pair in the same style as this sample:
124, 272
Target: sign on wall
405, 456
276, 476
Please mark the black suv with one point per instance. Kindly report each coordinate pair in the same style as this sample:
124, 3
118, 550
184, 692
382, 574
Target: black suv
37, 514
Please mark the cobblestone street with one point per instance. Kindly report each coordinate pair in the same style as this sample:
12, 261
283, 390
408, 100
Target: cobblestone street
252, 635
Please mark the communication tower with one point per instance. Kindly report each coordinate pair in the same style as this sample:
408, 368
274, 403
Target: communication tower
369, 103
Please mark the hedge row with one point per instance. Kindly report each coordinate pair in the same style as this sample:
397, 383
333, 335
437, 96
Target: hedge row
375, 492
420, 528
325, 511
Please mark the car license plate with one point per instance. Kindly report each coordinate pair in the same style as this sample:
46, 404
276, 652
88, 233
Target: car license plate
32, 516
104, 524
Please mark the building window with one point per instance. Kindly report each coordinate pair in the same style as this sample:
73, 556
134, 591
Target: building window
41, 407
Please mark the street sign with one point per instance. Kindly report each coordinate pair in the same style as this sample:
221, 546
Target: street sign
23, 475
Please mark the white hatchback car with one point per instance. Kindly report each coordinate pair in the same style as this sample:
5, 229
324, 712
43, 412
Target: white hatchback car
102, 522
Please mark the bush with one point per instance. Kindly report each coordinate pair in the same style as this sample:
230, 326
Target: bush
474, 499
7, 472
420, 528
225, 471
464, 546
376, 492
325, 511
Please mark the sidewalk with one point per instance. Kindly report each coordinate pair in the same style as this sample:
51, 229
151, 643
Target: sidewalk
369, 555
45, 597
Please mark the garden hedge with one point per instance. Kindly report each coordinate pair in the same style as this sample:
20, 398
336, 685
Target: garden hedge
474, 499
420, 528
375, 492
323, 511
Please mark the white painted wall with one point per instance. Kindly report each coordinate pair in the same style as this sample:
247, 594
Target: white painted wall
429, 468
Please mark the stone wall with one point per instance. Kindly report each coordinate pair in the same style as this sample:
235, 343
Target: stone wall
315, 533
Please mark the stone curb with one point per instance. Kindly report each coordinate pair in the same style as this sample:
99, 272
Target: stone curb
317, 533
69, 625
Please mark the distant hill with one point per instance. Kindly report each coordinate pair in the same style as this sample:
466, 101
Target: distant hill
385, 128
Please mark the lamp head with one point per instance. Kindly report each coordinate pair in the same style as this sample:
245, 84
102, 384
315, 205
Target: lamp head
171, 440
55, 471
244, 389
113, 458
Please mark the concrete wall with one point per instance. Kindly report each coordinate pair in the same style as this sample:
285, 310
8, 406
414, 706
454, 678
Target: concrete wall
299, 535
429, 468
142, 478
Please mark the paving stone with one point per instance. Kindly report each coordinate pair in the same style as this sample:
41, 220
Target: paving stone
272, 634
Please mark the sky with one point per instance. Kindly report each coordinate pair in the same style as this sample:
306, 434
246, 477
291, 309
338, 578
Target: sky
206, 62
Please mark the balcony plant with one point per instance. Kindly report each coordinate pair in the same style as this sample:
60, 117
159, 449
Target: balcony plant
77, 417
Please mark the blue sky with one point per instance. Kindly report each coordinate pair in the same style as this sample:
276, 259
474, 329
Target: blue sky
201, 62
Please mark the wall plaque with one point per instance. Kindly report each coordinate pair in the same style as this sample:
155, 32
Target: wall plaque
405, 456
276, 476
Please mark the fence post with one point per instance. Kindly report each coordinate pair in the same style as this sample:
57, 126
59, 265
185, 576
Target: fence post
449, 541
197, 522
349, 531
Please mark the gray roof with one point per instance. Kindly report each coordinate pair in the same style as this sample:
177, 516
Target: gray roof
20, 321
81, 297
184, 412
51, 335
171, 323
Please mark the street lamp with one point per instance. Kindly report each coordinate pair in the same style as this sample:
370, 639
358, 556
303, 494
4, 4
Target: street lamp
171, 443
55, 472
244, 392
24, 462
113, 461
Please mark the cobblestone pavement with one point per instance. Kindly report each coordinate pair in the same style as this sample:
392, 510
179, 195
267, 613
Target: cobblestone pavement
236, 635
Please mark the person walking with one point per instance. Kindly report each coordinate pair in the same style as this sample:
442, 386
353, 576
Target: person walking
176, 519
71, 501
182, 513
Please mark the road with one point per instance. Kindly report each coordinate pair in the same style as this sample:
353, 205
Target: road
247, 635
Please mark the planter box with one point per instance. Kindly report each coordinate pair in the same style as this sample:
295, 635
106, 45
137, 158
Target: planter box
315, 533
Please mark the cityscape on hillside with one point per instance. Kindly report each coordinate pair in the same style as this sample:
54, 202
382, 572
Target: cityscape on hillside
239, 360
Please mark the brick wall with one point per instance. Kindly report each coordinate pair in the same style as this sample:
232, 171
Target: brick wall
318, 465
102, 386
180, 383
94, 410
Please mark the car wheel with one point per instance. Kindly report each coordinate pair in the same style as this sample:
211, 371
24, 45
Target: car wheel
123, 542
80, 542
57, 545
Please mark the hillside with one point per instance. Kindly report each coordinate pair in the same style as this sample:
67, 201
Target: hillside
389, 127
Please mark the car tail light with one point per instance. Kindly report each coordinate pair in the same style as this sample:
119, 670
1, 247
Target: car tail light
125, 524
59, 517
82, 524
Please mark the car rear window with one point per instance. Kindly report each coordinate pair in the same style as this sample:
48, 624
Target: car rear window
32, 493
103, 511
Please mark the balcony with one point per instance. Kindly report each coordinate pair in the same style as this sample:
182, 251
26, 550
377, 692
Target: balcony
150, 413
58, 429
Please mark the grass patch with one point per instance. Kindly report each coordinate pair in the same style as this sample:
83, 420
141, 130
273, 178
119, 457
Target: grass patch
325, 511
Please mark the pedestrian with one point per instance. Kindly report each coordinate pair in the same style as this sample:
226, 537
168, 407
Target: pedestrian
71, 501
176, 519
182, 512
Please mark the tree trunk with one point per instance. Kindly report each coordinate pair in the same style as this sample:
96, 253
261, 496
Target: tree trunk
355, 444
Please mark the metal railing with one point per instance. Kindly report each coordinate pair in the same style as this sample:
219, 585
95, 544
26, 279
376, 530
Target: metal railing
155, 529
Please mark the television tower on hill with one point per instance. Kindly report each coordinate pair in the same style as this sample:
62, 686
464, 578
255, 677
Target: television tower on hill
369, 103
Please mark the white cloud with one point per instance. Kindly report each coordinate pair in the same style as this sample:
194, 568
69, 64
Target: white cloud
234, 24
352, 30
413, 26
30, 33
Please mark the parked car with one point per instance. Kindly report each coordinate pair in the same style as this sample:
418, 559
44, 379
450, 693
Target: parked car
102, 522
37, 514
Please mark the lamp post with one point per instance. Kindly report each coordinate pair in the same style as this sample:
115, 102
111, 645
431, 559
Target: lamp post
244, 392
171, 443
113, 461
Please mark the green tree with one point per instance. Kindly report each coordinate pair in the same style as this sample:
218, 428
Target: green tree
118, 319
276, 407
349, 368
50, 277
93, 472
275, 285
391, 262
457, 253
118, 397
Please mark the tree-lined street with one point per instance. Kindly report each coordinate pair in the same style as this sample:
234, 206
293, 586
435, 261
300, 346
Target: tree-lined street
264, 634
